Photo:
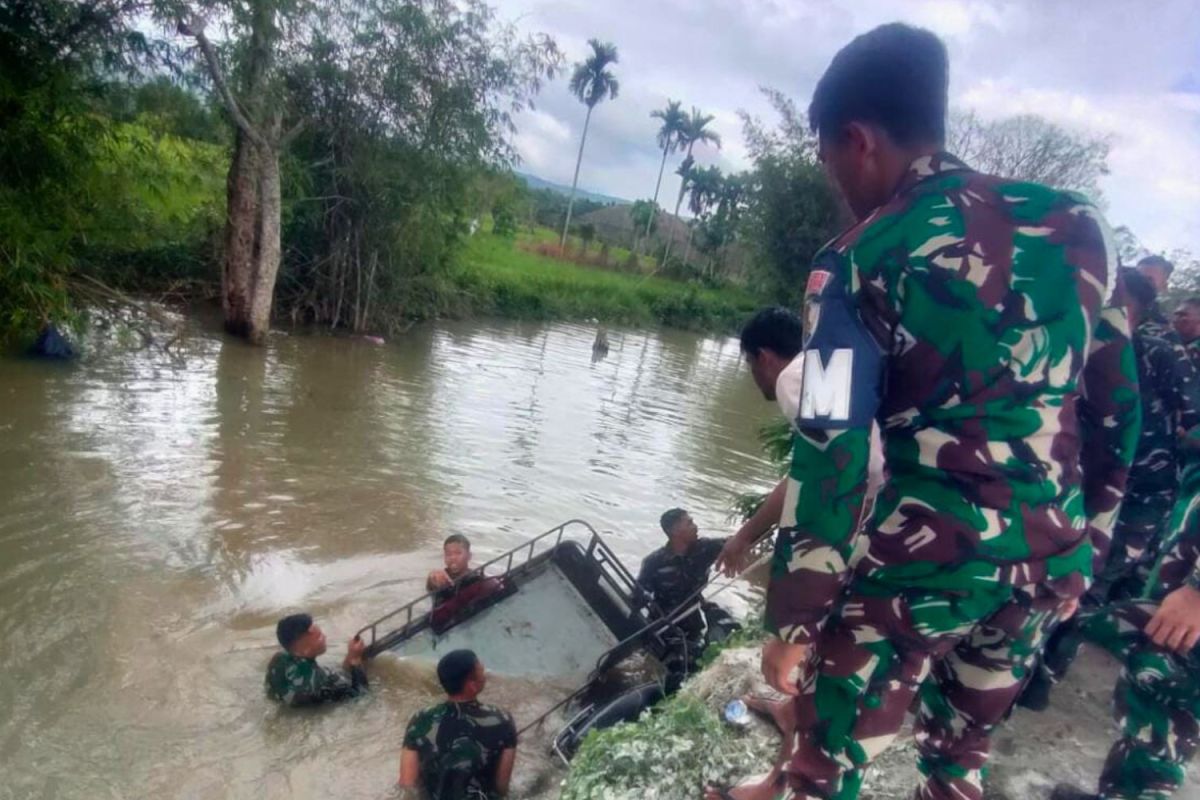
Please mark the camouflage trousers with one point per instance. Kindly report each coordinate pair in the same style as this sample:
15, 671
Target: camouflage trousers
874, 656
1140, 528
1143, 526
1156, 703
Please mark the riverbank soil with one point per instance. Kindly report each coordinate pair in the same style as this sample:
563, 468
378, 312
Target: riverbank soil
1030, 754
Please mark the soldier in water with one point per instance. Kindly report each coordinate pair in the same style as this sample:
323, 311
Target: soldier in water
976, 319
296, 679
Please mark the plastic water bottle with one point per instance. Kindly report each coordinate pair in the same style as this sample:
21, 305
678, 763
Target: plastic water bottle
737, 713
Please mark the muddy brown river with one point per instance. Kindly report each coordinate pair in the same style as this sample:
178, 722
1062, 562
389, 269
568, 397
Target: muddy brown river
157, 517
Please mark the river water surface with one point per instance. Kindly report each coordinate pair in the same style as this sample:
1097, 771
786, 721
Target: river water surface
156, 519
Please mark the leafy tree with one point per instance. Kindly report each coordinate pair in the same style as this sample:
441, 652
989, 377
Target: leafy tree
705, 186
405, 142
167, 105
56, 59
674, 123
695, 130
587, 234
644, 215
791, 211
591, 82
1031, 148
266, 36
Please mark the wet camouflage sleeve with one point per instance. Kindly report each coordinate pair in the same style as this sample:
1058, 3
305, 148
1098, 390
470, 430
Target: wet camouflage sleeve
304, 682
1110, 421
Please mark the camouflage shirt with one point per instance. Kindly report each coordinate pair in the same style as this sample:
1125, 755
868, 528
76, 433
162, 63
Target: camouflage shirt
976, 319
459, 746
1156, 324
673, 578
300, 681
1170, 399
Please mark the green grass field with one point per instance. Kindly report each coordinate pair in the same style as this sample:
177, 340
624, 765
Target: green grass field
498, 277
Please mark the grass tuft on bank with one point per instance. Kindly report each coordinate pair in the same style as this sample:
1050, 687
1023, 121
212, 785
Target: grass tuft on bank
497, 277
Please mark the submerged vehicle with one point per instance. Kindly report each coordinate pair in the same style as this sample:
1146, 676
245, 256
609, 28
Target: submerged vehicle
560, 605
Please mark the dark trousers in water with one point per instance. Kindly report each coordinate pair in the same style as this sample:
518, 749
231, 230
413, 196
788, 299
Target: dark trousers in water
707, 625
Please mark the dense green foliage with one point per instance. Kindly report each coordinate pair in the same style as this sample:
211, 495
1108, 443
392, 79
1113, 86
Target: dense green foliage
792, 209
73, 180
400, 119
671, 753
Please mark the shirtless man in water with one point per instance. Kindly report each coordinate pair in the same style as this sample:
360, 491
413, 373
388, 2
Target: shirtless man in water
456, 551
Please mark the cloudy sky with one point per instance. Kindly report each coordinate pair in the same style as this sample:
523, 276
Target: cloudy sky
1128, 69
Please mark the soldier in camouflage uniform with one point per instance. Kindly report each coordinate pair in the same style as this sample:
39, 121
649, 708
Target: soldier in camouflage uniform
296, 679
975, 318
460, 749
1185, 322
1170, 402
1157, 697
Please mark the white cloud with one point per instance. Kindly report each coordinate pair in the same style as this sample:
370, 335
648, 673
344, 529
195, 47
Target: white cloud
1110, 67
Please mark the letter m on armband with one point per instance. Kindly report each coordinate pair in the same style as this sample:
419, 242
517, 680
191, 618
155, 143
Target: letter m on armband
827, 386
843, 364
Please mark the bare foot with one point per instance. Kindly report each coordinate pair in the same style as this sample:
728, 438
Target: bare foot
765, 788
781, 712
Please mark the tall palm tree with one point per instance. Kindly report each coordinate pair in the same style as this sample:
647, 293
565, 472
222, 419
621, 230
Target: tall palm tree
704, 190
695, 130
674, 121
591, 83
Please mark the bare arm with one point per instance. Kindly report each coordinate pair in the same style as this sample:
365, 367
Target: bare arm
732, 559
504, 769
766, 517
410, 768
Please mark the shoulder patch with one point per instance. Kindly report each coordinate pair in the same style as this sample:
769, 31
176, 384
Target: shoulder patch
817, 280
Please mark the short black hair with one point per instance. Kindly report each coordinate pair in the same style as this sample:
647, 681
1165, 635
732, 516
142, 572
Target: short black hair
895, 76
457, 538
1138, 287
455, 669
291, 628
669, 519
776, 329
1157, 261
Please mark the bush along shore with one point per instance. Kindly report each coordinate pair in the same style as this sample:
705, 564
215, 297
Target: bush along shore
682, 744
498, 277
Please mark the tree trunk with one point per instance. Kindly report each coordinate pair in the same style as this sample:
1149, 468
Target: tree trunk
562, 246
251, 239
678, 203
687, 253
657, 185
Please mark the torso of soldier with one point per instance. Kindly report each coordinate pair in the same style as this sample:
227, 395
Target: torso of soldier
1155, 467
673, 578
979, 296
459, 745
1155, 324
298, 681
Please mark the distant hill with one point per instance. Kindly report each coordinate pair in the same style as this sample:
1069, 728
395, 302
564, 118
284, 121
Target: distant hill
534, 182
615, 225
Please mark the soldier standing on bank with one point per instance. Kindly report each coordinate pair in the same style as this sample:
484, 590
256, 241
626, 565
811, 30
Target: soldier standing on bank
976, 319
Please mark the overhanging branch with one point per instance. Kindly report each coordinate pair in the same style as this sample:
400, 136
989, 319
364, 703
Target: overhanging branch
195, 28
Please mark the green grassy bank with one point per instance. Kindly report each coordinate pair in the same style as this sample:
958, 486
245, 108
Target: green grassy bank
496, 276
